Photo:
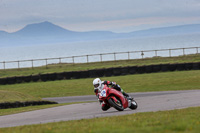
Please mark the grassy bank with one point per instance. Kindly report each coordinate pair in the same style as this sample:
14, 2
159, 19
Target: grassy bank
183, 120
88, 66
178, 80
12, 96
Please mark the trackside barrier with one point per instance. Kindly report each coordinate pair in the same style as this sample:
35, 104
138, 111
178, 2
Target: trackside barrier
107, 72
17, 104
98, 58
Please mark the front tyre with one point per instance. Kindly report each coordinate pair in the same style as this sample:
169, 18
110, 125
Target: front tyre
134, 105
117, 105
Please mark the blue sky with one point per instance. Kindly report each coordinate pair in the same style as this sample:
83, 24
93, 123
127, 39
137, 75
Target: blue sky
88, 15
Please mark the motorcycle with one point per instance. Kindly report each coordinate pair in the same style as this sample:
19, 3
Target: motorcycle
116, 99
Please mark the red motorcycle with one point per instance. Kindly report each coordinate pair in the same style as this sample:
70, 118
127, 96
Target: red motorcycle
116, 99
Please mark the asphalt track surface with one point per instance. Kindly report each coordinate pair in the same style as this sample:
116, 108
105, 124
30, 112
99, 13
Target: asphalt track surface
147, 102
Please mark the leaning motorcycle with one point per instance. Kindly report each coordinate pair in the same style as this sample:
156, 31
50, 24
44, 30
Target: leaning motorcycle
116, 99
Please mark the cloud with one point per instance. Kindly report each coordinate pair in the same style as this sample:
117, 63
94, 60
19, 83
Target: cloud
104, 14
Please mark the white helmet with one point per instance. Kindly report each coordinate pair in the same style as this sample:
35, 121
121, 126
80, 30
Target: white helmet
97, 83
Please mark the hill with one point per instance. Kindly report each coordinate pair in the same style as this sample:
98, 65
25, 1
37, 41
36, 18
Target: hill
48, 33
43, 29
174, 30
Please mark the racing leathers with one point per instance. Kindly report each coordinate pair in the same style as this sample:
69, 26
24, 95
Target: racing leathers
113, 85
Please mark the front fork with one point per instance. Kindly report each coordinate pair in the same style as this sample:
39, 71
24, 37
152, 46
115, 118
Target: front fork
129, 102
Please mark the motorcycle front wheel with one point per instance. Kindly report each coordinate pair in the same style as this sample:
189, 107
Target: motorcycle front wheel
134, 105
117, 105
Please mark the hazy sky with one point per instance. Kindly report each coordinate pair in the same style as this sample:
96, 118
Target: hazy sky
87, 15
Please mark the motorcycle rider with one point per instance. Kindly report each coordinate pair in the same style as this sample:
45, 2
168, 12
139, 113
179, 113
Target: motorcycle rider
98, 87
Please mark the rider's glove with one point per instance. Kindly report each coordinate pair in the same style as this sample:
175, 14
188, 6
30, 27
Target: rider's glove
114, 83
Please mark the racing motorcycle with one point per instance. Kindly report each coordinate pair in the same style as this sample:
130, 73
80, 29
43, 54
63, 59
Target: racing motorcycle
116, 99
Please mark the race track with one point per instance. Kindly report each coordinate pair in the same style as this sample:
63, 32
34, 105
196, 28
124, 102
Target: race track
148, 101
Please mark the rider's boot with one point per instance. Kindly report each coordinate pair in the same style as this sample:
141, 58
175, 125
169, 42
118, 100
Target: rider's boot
126, 95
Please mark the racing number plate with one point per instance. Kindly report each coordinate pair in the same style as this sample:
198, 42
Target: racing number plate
103, 93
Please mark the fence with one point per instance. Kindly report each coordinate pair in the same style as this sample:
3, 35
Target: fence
99, 57
103, 72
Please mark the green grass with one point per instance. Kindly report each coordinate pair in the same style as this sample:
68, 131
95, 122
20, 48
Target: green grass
88, 66
185, 120
12, 96
178, 80
175, 121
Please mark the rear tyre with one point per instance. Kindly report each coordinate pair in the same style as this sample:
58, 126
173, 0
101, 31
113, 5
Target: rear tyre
134, 105
118, 106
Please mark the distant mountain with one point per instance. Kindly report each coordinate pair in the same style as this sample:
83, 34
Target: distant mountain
46, 33
174, 30
43, 29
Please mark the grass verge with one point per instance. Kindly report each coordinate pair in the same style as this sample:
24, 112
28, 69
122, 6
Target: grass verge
12, 96
181, 120
178, 80
96, 65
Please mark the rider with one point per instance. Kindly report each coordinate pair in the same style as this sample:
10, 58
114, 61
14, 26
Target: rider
99, 85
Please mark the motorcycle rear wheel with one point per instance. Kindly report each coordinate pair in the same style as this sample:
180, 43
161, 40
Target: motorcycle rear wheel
117, 106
